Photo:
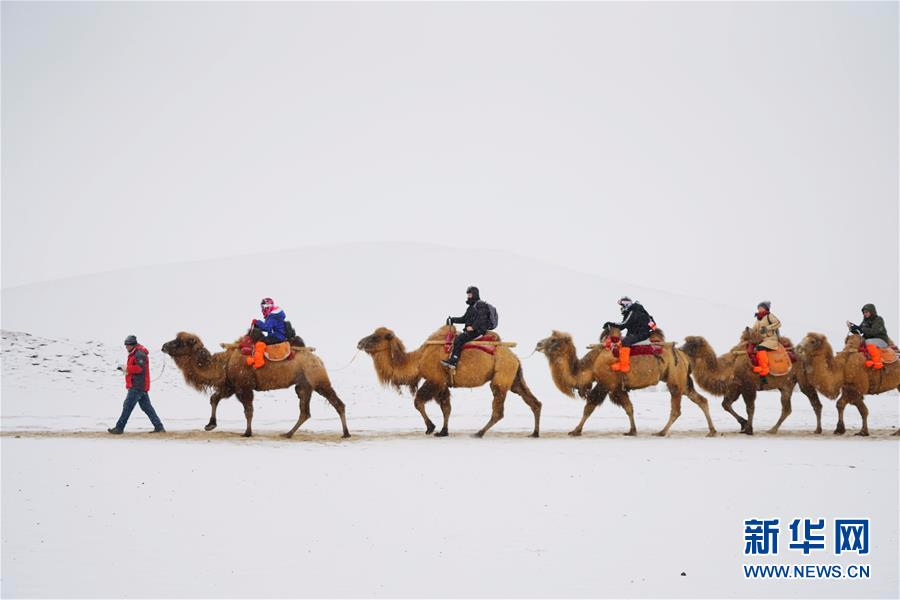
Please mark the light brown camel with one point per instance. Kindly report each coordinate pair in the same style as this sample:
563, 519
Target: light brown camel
571, 374
227, 373
731, 376
845, 374
397, 367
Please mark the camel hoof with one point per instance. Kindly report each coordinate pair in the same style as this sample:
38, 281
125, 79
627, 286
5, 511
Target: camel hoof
535, 435
863, 434
747, 431
660, 434
772, 431
630, 433
287, 435
210, 426
346, 435
818, 431
442, 433
247, 434
478, 434
839, 431
429, 429
712, 434
575, 433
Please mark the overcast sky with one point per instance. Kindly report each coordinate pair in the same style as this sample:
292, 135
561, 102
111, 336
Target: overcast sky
733, 151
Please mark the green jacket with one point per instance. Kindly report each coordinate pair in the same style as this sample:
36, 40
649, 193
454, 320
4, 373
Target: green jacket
873, 327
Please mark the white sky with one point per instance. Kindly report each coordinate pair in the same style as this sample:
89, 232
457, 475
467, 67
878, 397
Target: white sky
732, 151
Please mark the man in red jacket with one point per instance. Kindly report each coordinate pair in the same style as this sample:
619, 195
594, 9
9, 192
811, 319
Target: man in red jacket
137, 382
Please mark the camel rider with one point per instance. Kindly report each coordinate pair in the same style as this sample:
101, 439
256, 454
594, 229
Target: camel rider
767, 325
271, 330
874, 332
639, 324
476, 320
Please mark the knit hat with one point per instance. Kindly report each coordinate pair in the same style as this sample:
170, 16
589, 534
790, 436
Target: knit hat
131, 340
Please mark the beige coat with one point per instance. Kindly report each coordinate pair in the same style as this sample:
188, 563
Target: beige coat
768, 327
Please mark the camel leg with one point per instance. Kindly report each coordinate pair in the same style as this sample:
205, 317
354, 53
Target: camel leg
423, 395
730, 398
595, 398
520, 388
858, 401
698, 399
841, 405
325, 390
443, 398
621, 398
214, 405
246, 398
750, 403
810, 392
497, 409
785, 407
674, 412
304, 393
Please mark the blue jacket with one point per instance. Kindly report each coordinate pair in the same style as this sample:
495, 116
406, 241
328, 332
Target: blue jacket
273, 326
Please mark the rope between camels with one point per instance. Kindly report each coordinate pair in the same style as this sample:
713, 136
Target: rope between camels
349, 363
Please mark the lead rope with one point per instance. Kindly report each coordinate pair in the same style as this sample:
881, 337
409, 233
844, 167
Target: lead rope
349, 363
161, 371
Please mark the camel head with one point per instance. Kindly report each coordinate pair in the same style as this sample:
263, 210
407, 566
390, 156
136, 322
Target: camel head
555, 344
814, 344
184, 344
748, 336
381, 340
694, 345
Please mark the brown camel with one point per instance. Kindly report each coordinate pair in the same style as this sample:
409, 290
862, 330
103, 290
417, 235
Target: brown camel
845, 374
397, 367
571, 374
227, 373
731, 375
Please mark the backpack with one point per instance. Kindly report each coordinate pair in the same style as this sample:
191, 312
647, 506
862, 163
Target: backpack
493, 313
289, 332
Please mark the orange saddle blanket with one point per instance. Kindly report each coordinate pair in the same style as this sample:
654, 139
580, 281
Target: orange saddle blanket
779, 360
888, 355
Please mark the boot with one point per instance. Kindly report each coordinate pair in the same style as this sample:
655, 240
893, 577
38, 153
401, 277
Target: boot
115, 431
762, 357
258, 359
874, 357
624, 364
450, 363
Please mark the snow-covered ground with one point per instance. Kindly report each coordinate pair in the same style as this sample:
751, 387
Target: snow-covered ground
391, 512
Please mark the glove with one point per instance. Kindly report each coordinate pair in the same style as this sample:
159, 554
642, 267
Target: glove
449, 320
120, 368
607, 325
855, 329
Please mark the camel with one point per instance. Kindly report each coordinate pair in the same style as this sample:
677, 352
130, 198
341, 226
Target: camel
571, 374
845, 374
731, 376
227, 373
397, 367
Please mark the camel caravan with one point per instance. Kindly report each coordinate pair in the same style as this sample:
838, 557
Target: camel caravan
271, 356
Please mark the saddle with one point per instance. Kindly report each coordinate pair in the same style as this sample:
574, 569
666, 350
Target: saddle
645, 348
274, 352
780, 360
490, 336
888, 355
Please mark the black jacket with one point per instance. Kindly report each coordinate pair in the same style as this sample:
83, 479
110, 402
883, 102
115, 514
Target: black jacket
478, 316
636, 321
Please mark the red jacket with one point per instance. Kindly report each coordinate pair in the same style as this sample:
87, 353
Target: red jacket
137, 371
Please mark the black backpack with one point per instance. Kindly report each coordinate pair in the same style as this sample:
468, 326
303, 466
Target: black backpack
289, 332
493, 312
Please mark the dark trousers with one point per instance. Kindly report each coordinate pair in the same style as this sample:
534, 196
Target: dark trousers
462, 339
136, 396
631, 340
